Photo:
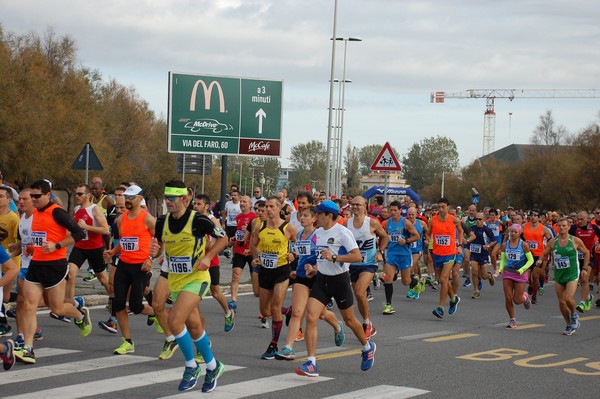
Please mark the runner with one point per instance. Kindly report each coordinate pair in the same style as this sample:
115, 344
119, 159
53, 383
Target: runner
48, 268
241, 245
588, 233
515, 261
336, 248
366, 231
470, 221
479, 249
564, 248
269, 246
182, 234
416, 250
7, 354
494, 223
232, 208
136, 227
9, 220
536, 236
305, 249
402, 234
444, 230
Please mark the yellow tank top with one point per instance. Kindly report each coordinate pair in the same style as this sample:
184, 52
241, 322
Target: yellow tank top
183, 251
273, 246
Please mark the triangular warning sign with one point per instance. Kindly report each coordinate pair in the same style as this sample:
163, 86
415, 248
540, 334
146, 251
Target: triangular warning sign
386, 160
87, 156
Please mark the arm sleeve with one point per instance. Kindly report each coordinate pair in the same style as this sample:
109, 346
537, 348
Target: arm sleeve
502, 262
202, 225
528, 264
65, 220
159, 227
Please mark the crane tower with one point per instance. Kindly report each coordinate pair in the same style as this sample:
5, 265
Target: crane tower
489, 116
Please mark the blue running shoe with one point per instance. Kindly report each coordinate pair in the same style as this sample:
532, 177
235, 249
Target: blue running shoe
37, 336
308, 369
575, 322
79, 301
232, 305
270, 352
285, 354
230, 321
190, 378
368, 357
210, 380
454, 305
467, 282
438, 312
339, 335
479, 285
19, 342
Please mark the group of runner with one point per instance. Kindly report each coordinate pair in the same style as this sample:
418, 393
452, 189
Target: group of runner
327, 249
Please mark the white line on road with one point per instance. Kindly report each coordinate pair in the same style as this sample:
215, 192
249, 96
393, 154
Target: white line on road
381, 392
426, 335
256, 387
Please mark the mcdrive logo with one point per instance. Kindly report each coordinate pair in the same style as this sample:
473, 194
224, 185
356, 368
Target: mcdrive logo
206, 124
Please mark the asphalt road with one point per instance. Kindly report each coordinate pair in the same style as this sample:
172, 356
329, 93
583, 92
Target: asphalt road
467, 355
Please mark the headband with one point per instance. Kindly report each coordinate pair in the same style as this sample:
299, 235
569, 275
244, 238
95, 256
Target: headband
178, 191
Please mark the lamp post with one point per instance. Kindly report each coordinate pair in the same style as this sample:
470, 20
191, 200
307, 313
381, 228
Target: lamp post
330, 116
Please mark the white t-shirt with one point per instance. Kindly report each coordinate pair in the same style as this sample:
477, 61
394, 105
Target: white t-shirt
294, 220
339, 241
25, 233
232, 211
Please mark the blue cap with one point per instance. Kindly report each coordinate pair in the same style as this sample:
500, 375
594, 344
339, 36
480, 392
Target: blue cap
328, 207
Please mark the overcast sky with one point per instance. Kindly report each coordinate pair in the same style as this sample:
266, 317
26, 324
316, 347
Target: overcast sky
409, 49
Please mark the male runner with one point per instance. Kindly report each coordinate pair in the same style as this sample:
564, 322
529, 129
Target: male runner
241, 248
9, 220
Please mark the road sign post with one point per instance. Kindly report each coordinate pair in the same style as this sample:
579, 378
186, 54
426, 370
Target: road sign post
386, 162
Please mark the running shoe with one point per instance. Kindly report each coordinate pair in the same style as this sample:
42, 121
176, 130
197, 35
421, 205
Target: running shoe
575, 322
198, 358
420, 287
227, 253
210, 379
476, 295
434, 285
368, 357
530, 290
232, 305
299, 336
285, 354
491, 279
541, 291
580, 307
410, 294
388, 309
454, 305
438, 312
598, 303
288, 316
264, 323
369, 296
534, 299
308, 369
79, 301
85, 324
230, 321
19, 341
479, 284
109, 326
37, 335
168, 350
12, 313
150, 321
512, 323
190, 378
157, 325
467, 283
8, 357
5, 330
526, 301
588, 302
60, 318
416, 295
270, 352
125, 348
568, 330
25, 355
91, 276
339, 336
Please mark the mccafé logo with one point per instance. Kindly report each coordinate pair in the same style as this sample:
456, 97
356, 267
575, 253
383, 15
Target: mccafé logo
207, 90
259, 146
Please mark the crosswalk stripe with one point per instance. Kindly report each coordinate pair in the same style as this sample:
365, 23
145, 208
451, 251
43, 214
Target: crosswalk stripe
255, 387
47, 352
381, 392
108, 385
32, 372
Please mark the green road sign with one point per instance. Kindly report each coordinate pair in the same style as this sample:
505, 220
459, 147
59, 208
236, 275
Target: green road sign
224, 115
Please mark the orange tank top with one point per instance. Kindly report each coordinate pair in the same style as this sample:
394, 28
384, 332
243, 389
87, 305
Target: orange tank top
535, 238
135, 238
443, 234
44, 228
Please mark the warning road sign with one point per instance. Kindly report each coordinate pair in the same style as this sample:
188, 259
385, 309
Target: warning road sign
386, 161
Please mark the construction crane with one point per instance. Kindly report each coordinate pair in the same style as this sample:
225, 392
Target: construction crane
489, 116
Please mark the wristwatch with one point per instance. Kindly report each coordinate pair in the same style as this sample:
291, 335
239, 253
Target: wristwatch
334, 258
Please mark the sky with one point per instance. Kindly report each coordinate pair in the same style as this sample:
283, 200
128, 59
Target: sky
409, 49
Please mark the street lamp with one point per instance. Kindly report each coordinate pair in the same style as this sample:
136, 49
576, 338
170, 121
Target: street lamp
330, 115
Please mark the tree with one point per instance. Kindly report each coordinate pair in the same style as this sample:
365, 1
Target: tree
427, 159
309, 163
352, 176
548, 133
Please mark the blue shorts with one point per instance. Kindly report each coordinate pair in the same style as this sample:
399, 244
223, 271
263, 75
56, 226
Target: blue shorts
400, 262
480, 259
355, 271
22, 273
440, 260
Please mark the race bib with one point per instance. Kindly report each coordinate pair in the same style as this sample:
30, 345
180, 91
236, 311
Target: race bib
513, 255
475, 248
130, 244
580, 255
38, 238
443, 241
268, 261
231, 219
302, 247
495, 230
180, 264
533, 244
319, 255
85, 235
395, 236
239, 235
561, 262
363, 255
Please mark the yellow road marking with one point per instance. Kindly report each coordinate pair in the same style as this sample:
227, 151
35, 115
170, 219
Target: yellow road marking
589, 317
450, 337
333, 355
525, 326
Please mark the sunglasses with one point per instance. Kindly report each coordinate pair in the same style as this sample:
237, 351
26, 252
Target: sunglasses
80, 194
36, 196
172, 198
478, 218
130, 197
